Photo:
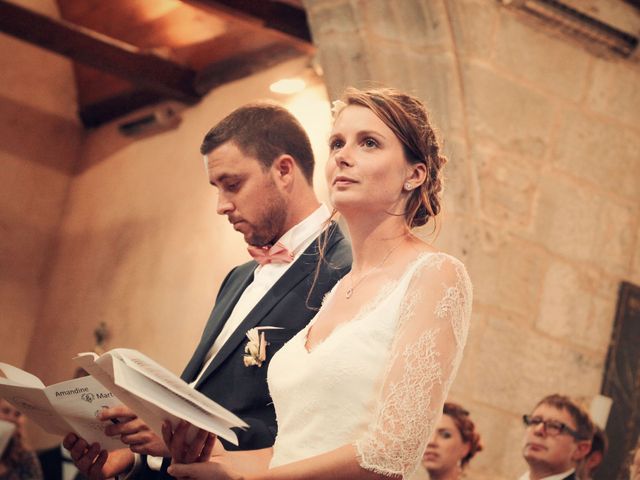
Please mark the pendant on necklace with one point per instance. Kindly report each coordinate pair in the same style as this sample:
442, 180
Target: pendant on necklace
349, 292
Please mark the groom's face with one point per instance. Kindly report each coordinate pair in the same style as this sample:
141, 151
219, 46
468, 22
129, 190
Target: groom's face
247, 194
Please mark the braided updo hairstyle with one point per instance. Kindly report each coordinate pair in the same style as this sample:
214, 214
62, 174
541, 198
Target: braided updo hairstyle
467, 429
407, 117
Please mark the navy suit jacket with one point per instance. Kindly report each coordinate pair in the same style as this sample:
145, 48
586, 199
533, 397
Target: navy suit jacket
289, 305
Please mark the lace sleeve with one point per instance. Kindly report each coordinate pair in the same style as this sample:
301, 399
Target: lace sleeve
427, 349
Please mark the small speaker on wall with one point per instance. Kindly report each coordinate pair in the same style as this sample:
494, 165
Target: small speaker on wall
158, 120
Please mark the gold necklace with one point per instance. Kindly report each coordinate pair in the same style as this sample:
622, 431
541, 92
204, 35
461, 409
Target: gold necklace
353, 286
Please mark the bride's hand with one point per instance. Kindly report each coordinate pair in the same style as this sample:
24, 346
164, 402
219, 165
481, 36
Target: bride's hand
217, 469
197, 451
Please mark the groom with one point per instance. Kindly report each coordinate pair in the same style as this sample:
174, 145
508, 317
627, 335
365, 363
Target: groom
259, 158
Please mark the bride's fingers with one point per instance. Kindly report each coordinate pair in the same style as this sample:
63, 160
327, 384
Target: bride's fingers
191, 470
179, 443
193, 451
208, 448
173, 441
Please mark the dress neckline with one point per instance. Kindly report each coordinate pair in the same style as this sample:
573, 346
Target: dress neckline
369, 306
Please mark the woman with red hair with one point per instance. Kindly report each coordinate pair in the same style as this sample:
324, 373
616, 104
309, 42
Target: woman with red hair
453, 444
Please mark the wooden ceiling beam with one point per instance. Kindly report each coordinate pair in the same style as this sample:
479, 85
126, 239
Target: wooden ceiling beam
235, 68
141, 67
116, 106
275, 15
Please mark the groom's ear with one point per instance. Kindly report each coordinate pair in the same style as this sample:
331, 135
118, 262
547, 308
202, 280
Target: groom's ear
283, 169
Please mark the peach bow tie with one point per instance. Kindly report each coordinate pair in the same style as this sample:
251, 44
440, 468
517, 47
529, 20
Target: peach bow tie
276, 254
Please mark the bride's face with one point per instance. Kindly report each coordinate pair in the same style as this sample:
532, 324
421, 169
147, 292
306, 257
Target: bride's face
367, 167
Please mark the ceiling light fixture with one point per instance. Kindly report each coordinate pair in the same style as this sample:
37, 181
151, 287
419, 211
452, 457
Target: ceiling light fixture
288, 86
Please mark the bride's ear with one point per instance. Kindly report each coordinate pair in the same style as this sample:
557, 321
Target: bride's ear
416, 175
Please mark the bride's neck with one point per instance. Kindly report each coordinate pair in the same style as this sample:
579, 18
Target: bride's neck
372, 240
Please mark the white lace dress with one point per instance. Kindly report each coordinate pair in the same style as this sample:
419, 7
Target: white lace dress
378, 381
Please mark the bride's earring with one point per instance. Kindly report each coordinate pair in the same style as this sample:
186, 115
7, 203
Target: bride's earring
408, 186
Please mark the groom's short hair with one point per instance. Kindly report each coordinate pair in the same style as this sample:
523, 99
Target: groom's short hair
265, 131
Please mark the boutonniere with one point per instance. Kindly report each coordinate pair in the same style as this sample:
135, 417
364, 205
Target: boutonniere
255, 351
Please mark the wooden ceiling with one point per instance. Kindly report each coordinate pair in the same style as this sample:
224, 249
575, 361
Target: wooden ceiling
131, 53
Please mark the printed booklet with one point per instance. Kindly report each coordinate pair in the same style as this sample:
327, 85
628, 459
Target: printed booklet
64, 407
119, 376
155, 394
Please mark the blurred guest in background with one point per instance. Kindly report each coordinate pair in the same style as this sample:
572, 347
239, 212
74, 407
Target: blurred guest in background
592, 461
557, 438
18, 462
454, 443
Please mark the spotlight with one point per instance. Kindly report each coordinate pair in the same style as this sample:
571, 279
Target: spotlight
288, 86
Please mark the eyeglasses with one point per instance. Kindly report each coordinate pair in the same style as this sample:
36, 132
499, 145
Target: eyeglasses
551, 427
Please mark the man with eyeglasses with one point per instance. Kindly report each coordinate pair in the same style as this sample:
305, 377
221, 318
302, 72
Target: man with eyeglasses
558, 435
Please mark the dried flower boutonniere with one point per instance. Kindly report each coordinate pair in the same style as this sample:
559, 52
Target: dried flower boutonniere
255, 351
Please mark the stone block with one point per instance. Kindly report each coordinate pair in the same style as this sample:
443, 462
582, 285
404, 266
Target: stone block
473, 23
327, 18
508, 185
550, 62
601, 153
434, 78
583, 225
457, 197
577, 306
344, 63
515, 366
410, 25
505, 112
614, 91
392, 67
507, 274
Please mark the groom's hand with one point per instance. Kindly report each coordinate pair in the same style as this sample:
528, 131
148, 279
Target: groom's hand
133, 431
94, 463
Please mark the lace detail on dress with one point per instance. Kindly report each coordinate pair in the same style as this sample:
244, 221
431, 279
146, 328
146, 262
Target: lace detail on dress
391, 451
432, 328
379, 380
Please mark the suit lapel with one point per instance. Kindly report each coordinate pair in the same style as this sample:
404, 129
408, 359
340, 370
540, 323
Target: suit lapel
302, 267
221, 312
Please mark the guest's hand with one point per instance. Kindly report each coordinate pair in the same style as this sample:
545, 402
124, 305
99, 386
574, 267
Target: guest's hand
197, 451
217, 469
133, 431
94, 463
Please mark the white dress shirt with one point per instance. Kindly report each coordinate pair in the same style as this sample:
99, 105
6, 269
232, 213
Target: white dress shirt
297, 239
557, 476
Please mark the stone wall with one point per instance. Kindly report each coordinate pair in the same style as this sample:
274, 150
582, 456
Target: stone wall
39, 141
543, 193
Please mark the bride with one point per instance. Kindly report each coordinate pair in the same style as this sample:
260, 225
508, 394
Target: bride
358, 392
